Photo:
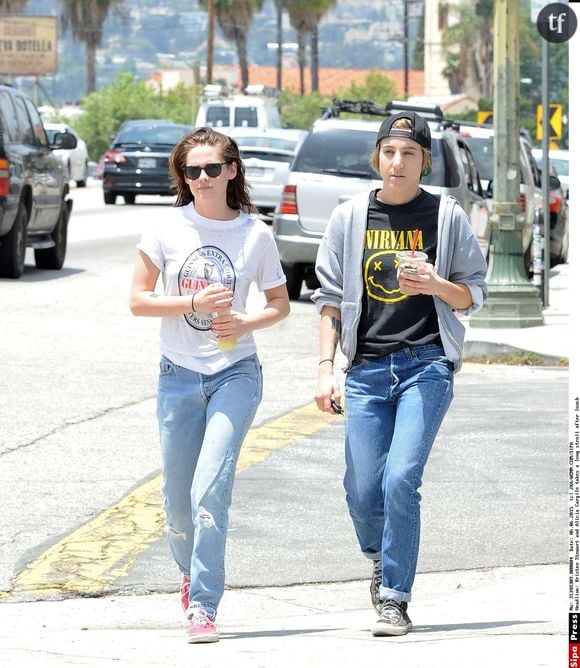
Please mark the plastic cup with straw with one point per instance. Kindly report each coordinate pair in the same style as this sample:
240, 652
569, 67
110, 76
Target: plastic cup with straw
410, 261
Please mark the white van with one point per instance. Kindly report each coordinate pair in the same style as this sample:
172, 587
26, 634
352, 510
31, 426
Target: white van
252, 109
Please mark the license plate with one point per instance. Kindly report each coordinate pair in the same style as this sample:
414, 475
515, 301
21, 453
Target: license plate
255, 171
146, 163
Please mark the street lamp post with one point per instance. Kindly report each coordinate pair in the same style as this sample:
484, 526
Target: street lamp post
512, 300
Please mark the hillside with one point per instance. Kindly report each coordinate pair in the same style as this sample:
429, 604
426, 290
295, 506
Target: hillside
355, 34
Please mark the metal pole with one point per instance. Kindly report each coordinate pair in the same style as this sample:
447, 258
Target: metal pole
512, 300
406, 46
210, 39
546, 168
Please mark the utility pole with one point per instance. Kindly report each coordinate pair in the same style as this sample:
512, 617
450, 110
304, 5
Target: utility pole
406, 46
210, 38
512, 300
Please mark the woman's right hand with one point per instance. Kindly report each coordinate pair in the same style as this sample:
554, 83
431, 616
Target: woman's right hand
215, 298
327, 389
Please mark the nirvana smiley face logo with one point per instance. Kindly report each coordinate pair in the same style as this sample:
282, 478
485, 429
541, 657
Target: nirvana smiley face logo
205, 266
380, 277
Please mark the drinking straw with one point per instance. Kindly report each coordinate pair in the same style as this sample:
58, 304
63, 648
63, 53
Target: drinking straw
414, 242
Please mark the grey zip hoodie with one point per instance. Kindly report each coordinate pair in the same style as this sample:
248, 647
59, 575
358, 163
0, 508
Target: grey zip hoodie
339, 270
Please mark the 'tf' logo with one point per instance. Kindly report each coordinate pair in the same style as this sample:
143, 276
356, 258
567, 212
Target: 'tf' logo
557, 22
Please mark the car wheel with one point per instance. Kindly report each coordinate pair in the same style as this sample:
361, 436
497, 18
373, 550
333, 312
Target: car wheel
53, 258
129, 198
13, 248
83, 182
110, 196
294, 274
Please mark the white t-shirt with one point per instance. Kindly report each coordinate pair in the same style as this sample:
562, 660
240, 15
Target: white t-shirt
192, 252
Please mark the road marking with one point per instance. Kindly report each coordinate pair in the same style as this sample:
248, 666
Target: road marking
91, 559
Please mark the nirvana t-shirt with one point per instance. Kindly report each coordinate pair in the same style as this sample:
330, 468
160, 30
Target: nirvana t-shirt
390, 319
193, 252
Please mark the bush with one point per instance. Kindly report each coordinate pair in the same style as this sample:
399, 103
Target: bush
126, 99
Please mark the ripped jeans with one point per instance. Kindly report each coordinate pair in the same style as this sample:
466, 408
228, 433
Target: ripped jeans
202, 422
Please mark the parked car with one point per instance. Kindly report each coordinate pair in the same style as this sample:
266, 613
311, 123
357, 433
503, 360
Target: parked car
34, 187
559, 218
560, 161
75, 159
480, 140
332, 164
267, 155
220, 109
137, 160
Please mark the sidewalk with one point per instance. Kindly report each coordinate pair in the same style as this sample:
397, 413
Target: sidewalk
550, 339
483, 619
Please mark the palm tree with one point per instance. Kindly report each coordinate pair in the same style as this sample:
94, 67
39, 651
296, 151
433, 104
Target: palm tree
234, 18
305, 15
12, 6
86, 19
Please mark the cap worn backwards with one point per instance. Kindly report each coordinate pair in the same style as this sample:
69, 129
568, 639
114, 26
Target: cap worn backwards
419, 131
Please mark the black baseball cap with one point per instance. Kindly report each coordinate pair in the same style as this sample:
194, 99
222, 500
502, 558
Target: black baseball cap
419, 129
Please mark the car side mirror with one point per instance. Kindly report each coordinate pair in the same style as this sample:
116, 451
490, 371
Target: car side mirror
489, 190
64, 140
555, 182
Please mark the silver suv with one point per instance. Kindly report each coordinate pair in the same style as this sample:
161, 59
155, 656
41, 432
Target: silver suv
332, 165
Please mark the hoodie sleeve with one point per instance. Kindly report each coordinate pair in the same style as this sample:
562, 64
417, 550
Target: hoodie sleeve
467, 264
330, 261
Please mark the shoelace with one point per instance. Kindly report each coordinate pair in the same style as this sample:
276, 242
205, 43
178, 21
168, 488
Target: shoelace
200, 616
377, 577
391, 612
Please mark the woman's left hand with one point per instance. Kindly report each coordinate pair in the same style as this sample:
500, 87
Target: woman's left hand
425, 282
231, 325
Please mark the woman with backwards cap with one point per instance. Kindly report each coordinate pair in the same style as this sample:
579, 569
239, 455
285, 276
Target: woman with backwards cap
402, 342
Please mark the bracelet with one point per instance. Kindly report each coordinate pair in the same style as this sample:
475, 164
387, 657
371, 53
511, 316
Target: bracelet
326, 360
192, 303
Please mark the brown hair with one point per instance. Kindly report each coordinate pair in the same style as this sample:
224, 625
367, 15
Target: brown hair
402, 124
237, 194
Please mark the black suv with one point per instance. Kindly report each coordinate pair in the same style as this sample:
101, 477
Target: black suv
34, 187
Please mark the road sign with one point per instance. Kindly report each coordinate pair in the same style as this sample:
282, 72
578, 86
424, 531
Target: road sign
484, 117
28, 45
555, 121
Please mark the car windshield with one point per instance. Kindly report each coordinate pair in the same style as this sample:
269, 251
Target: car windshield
561, 166
482, 151
335, 151
156, 134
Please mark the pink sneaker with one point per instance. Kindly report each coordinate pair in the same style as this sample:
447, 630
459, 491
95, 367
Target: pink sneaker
201, 628
184, 591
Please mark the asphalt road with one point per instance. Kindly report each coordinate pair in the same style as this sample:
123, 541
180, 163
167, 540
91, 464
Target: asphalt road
78, 435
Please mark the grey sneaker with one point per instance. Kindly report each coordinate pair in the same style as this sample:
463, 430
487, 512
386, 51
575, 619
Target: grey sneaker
394, 620
376, 579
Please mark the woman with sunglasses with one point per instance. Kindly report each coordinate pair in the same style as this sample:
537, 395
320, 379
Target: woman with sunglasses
208, 252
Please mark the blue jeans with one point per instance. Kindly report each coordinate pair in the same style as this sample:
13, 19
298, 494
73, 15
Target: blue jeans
203, 421
395, 406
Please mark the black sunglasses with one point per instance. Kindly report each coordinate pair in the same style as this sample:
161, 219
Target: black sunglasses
213, 169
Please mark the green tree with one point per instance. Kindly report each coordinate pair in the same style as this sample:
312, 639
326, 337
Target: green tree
234, 18
86, 19
125, 99
469, 45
